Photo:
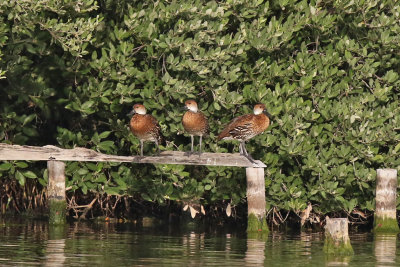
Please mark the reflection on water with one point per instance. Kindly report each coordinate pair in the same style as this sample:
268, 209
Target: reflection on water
55, 255
105, 244
337, 260
385, 249
255, 253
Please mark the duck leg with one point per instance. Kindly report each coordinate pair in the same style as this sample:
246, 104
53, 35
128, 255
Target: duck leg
243, 148
240, 148
201, 137
158, 147
245, 153
141, 148
192, 138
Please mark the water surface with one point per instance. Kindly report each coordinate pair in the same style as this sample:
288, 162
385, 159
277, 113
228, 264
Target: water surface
30, 243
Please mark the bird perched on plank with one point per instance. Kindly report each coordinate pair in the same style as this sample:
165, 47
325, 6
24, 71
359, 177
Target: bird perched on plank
194, 122
246, 126
145, 127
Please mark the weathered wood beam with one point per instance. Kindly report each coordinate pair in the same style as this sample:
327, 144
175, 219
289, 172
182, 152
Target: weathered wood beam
35, 153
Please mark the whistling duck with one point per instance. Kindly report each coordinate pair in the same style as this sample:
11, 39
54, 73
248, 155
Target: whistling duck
246, 126
194, 122
145, 127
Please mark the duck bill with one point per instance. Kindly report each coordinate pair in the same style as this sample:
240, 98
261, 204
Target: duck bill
131, 113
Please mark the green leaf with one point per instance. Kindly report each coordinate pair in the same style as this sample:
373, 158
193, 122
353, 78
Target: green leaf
101, 178
106, 145
396, 148
87, 105
5, 166
43, 182
112, 191
20, 177
30, 174
83, 171
104, 134
146, 197
21, 164
28, 119
30, 131
121, 184
84, 188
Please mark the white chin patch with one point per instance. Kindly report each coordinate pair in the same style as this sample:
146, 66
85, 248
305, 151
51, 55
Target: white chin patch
193, 109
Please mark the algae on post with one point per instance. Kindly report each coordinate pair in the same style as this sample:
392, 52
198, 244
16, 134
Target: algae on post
338, 247
57, 211
255, 224
385, 225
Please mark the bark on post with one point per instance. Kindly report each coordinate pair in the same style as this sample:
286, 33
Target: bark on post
337, 239
56, 192
256, 221
385, 210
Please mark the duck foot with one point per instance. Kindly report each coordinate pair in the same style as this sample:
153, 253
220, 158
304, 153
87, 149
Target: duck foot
250, 158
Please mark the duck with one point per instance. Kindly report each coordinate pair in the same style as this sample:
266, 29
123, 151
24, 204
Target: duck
245, 127
194, 122
145, 127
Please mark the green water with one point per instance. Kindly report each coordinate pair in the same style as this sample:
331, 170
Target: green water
35, 243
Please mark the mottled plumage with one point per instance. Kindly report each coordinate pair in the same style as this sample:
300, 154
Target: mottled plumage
246, 126
194, 122
145, 127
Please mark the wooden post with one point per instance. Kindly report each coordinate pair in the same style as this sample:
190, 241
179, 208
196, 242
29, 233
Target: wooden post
385, 211
337, 239
56, 192
256, 220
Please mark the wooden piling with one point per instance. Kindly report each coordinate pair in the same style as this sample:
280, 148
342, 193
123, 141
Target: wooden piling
256, 220
56, 192
337, 239
385, 211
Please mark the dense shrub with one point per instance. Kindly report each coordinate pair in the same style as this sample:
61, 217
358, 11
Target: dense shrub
327, 71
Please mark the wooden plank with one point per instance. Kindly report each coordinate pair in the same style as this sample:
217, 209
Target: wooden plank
35, 153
